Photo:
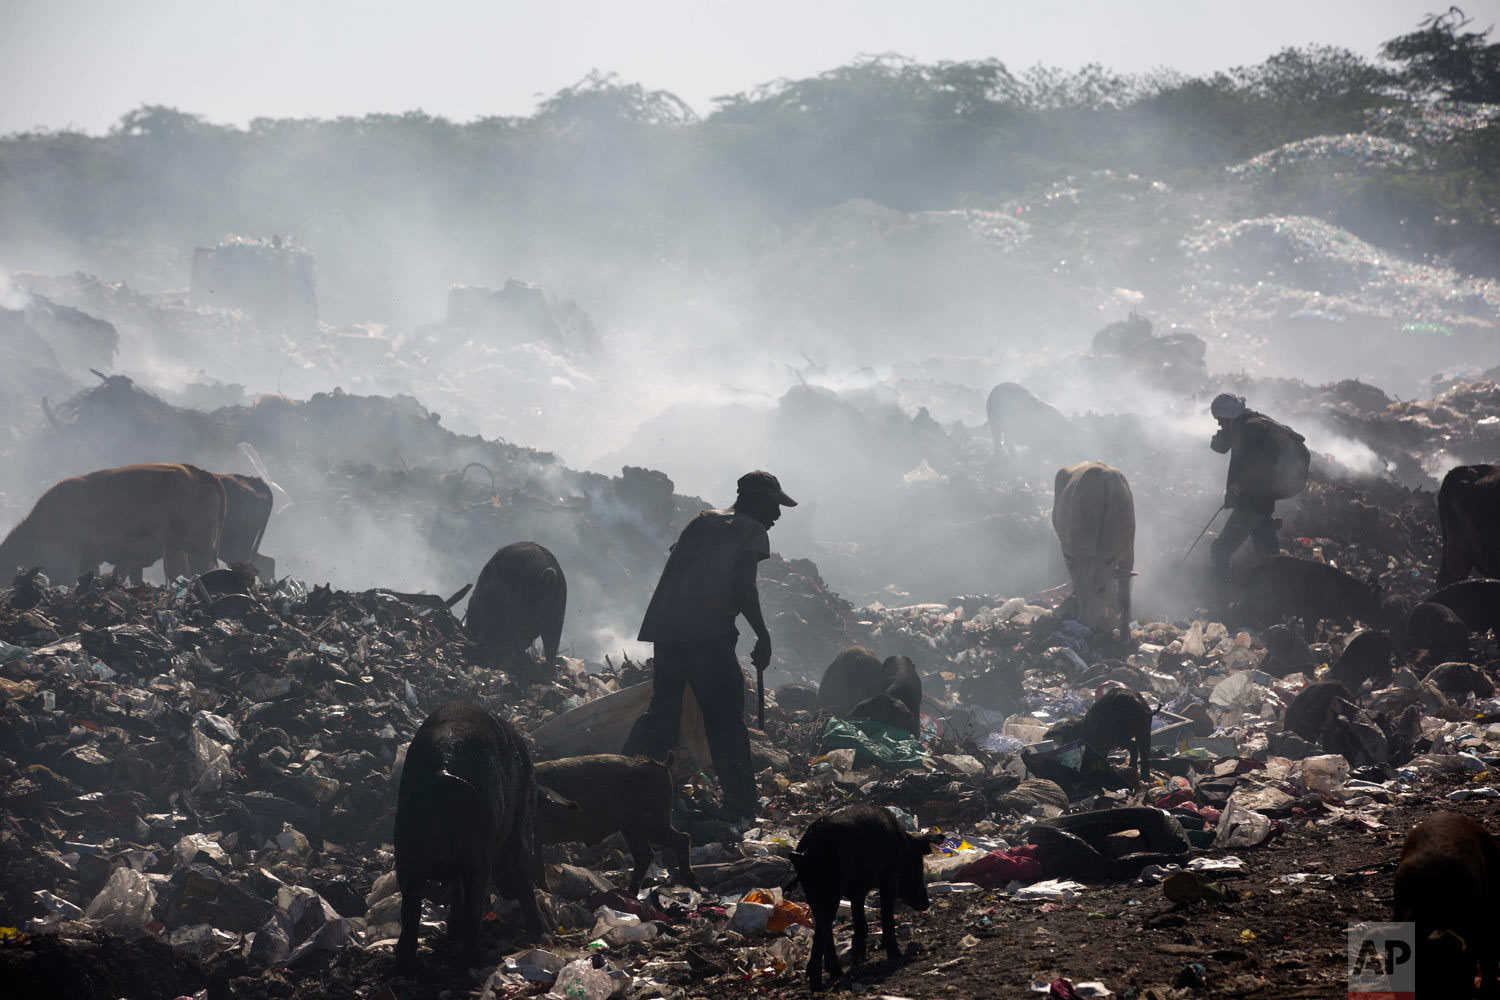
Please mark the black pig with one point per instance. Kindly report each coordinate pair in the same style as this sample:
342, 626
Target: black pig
1281, 587
1476, 602
857, 685
844, 856
1309, 710
1366, 657
900, 699
521, 594
630, 794
797, 697
1119, 719
464, 814
1459, 679
1434, 630
853, 676
1446, 884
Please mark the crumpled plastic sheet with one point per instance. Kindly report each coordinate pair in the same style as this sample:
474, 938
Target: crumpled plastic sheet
872, 743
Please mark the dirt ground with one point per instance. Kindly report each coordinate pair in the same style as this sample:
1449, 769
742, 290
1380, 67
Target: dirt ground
1277, 939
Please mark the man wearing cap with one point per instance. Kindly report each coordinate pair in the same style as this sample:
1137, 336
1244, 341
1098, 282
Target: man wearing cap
1248, 491
708, 581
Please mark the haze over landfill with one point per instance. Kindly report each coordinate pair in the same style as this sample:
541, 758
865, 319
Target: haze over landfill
575, 311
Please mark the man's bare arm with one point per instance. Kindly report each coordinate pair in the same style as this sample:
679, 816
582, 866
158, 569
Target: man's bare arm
747, 603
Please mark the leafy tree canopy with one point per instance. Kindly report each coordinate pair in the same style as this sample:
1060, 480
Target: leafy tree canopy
1441, 58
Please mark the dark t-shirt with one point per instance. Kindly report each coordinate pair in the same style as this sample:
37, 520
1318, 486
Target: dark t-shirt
695, 597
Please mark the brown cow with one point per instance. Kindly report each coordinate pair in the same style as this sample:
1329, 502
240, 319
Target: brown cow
247, 510
1093, 514
1469, 509
129, 516
249, 501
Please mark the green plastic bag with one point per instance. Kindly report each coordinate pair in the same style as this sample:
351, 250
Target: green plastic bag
872, 743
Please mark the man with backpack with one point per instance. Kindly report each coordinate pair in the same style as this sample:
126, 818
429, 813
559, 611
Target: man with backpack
1267, 462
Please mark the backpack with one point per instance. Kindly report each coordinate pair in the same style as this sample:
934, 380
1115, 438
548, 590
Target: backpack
1292, 460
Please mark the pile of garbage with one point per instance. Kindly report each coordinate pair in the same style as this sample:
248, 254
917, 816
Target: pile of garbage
1355, 152
1312, 255
1433, 123
274, 281
210, 764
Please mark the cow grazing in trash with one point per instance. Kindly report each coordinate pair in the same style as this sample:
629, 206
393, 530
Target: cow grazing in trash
128, 516
1469, 509
247, 510
1446, 883
1019, 419
843, 856
613, 793
465, 814
1093, 514
521, 594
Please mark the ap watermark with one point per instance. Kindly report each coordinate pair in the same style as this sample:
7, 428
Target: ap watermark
1382, 961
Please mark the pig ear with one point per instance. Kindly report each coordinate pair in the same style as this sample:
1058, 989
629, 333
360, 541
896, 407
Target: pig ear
548, 795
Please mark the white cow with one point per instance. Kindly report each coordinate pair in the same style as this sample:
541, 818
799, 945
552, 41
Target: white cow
1093, 514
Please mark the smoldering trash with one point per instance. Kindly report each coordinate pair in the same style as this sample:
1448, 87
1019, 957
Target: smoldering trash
209, 764
1134, 632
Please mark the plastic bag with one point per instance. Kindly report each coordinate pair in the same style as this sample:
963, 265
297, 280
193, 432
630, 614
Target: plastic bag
125, 902
1241, 827
1326, 773
1237, 691
210, 764
751, 919
188, 847
580, 980
615, 927
872, 743
784, 911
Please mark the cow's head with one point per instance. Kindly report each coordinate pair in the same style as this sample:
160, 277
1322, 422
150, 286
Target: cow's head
1091, 588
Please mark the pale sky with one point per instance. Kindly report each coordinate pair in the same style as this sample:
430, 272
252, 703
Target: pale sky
84, 63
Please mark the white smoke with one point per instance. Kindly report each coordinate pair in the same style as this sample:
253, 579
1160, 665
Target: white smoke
12, 295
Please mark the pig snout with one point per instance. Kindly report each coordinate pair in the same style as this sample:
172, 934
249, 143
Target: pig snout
887, 711
912, 887
1065, 732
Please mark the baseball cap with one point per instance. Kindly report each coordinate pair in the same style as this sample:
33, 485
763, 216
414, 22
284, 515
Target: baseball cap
762, 483
1227, 407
